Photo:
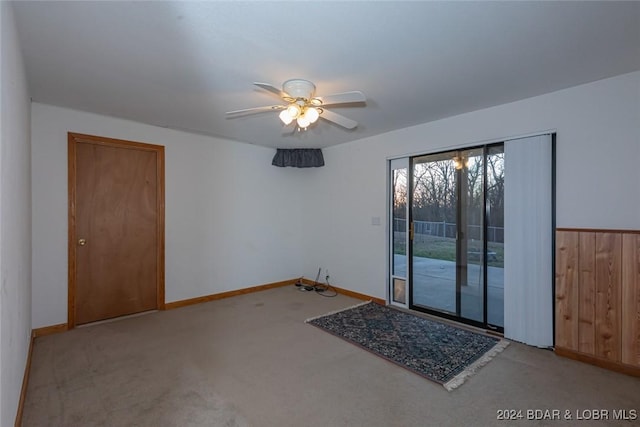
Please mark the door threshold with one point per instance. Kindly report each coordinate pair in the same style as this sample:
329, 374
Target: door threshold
115, 319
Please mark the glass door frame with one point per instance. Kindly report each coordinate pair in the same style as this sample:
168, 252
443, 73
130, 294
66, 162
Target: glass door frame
409, 301
396, 164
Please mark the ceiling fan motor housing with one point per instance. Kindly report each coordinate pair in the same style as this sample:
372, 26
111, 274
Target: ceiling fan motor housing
299, 88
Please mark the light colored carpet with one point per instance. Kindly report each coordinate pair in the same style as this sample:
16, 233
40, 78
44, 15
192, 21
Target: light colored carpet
251, 360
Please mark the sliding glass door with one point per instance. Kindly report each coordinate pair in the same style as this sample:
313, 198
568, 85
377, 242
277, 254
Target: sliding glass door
494, 208
471, 255
433, 232
454, 250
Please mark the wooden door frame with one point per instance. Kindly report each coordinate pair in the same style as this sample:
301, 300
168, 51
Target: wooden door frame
75, 138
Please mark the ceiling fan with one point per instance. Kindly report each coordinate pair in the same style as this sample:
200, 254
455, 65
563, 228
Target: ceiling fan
301, 107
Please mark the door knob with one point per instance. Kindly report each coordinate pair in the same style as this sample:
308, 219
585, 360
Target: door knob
82, 242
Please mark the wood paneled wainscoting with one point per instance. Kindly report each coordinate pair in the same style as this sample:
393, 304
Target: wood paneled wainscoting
597, 298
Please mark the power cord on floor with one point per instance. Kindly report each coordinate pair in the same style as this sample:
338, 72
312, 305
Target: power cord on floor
324, 290
305, 288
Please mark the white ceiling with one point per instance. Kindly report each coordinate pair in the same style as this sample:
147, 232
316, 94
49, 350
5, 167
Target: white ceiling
182, 65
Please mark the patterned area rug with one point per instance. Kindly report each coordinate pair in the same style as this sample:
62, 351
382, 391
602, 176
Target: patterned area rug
440, 352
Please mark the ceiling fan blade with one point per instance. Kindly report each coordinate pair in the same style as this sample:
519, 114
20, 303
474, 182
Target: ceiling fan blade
338, 119
342, 98
271, 88
237, 113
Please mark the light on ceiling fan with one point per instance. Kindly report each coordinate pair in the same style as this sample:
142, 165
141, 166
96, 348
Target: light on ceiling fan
304, 116
285, 117
303, 122
290, 113
294, 111
311, 114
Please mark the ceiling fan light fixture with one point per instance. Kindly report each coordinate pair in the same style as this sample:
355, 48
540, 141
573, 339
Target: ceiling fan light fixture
311, 114
303, 122
293, 110
285, 117
302, 106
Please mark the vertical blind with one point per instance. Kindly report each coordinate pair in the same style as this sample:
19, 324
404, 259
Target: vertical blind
528, 238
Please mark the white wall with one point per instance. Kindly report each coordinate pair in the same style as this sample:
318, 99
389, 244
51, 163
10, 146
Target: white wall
235, 221
598, 178
232, 219
15, 219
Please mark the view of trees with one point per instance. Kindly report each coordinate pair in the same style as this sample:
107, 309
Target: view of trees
400, 193
435, 191
495, 187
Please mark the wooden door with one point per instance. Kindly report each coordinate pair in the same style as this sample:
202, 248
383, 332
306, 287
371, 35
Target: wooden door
116, 228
